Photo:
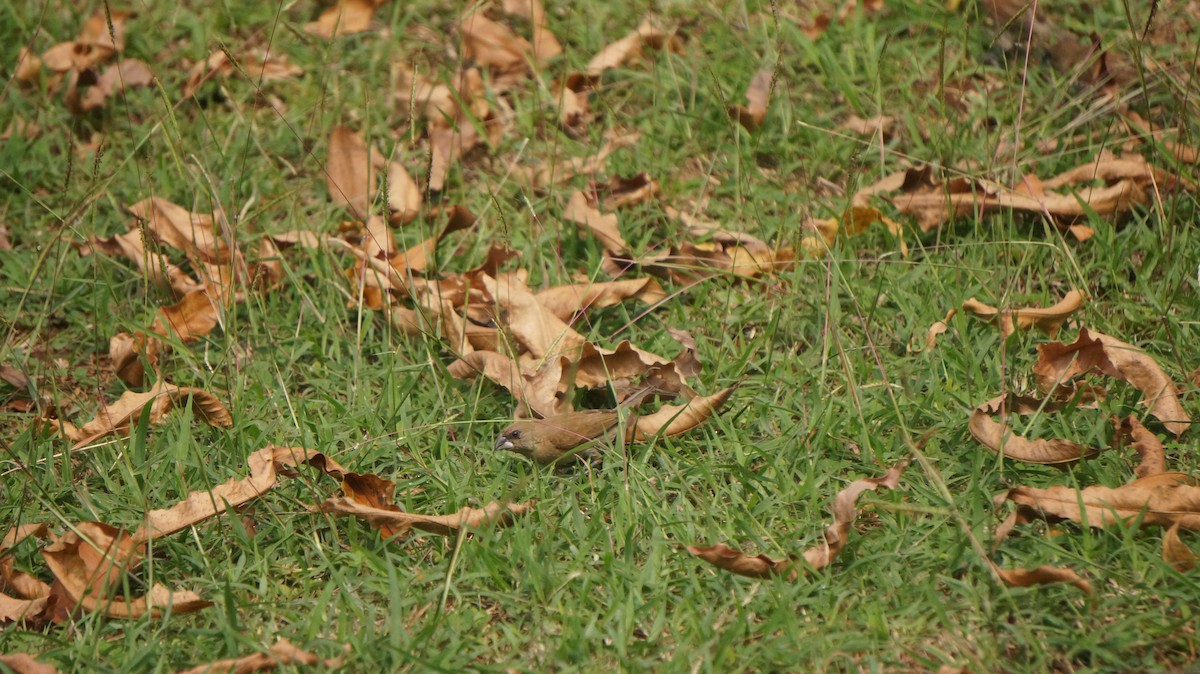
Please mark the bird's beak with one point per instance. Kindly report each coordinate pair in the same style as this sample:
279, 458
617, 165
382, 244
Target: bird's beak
503, 443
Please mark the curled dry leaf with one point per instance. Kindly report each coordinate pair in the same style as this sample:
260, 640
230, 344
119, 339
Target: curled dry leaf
265, 465
676, 419
817, 557
542, 333
24, 663
175, 226
404, 197
758, 94
162, 398
1048, 319
630, 47
602, 226
125, 74
33, 601
350, 171
282, 653
938, 328
854, 221
492, 44
1176, 552
88, 564
569, 300
1095, 352
999, 436
155, 267
880, 125
259, 68
96, 43
345, 17
375, 492
1153, 457
545, 45
1042, 575
494, 513
1161, 500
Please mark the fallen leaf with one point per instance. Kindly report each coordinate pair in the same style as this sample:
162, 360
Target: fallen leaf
404, 197
23, 663
281, 653
630, 47
545, 45
192, 233
568, 301
817, 557
673, 420
999, 436
198, 506
350, 171
190, 318
162, 398
1042, 575
758, 94
602, 226
1048, 320
1162, 500
115, 79
259, 68
880, 125
493, 44
88, 563
345, 17
494, 513
542, 333
1151, 454
1176, 552
1094, 352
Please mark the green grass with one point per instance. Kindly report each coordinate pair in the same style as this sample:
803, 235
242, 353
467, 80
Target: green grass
596, 576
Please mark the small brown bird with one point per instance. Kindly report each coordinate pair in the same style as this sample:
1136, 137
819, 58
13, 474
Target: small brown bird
562, 438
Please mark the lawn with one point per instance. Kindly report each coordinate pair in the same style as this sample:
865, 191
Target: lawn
339, 234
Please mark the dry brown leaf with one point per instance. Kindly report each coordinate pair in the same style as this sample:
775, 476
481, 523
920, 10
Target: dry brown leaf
260, 68
264, 465
545, 45
493, 44
630, 47
636, 189
1094, 352
96, 43
350, 172
375, 492
125, 74
23, 663
1042, 575
127, 351
538, 330
29, 67
880, 125
675, 419
735, 561
404, 197
162, 398
568, 301
1048, 320
602, 226
282, 653
175, 226
817, 557
1151, 454
155, 267
758, 94
938, 328
493, 513
999, 436
33, 601
345, 17
88, 563
190, 318
1176, 552
1162, 500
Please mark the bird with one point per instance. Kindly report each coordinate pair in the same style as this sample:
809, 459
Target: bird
562, 438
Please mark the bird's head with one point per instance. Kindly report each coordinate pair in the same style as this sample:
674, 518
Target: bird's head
517, 437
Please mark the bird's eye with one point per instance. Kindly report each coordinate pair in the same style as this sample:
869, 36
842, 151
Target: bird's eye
515, 434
